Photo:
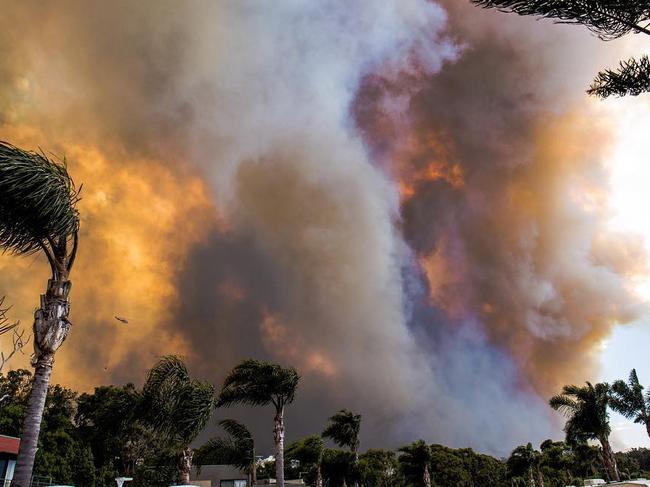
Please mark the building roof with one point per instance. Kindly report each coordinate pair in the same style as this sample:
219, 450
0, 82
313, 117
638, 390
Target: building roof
9, 444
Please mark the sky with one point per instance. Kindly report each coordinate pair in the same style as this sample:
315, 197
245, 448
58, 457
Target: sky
415, 204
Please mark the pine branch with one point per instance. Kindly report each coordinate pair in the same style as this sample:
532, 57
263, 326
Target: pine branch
631, 78
608, 19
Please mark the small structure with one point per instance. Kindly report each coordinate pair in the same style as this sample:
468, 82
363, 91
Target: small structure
218, 476
9, 446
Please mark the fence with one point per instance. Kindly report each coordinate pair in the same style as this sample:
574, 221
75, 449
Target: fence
36, 482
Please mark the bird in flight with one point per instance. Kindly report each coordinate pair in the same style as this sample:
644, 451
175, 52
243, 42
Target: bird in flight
122, 320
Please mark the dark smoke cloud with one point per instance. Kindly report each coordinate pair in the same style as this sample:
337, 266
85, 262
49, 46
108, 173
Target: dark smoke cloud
504, 204
378, 193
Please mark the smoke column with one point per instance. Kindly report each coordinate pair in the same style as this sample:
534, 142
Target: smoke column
385, 196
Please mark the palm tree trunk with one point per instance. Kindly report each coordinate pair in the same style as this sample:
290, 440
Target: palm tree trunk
32, 423
278, 437
531, 477
254, 470
185, 466
609, 460
319, 476
51, 327
356, 467
647, 426
426, 478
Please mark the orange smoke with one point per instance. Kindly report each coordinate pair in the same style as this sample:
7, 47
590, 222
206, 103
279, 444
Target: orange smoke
426, 160
285, 345
550, 243
138, 221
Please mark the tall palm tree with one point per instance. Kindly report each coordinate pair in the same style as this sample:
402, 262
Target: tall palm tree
629, 400
38, 214
177, 407
259, 383
237, 449
415, 460
524, 461
588, 419
309, 451
344, 428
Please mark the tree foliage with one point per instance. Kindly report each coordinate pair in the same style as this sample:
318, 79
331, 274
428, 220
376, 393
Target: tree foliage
586, 411
259, 383
629, 400
413, 460
37, 200
343, 429
238, 448
175, 404
608, 19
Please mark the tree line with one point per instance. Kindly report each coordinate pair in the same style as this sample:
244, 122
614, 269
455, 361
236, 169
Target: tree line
89, 439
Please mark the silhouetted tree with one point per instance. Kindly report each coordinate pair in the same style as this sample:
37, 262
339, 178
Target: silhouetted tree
379, 468
524, 462
629, 400
237, 449
258, 383
344, 428
178, 407
309, 452
38, 214
588, 419
608, 19
414, 460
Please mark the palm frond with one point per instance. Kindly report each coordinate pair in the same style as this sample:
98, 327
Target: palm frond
176, 405
608, 19
344, 428
563, 403
223, 451
632, 77
37, 200
5, 326
586, 411
259, 383
238, 431
417, 454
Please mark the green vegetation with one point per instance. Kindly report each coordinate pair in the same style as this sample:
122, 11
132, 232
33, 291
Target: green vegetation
343, 429
588, 419
237, 449
177, 407
629, 400
258, 383
38, 213
89, 439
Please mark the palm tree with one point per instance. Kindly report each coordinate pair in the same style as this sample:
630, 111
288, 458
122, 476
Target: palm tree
343, 429
524, 461
608, 20
237, 449
38, 214
259, 383
588, 419
309, 451
415, 459
629, 400
177, 407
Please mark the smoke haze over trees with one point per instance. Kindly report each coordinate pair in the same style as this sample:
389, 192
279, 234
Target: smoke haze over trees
402, 199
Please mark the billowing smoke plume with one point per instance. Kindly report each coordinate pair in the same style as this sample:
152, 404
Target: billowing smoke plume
370, 191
